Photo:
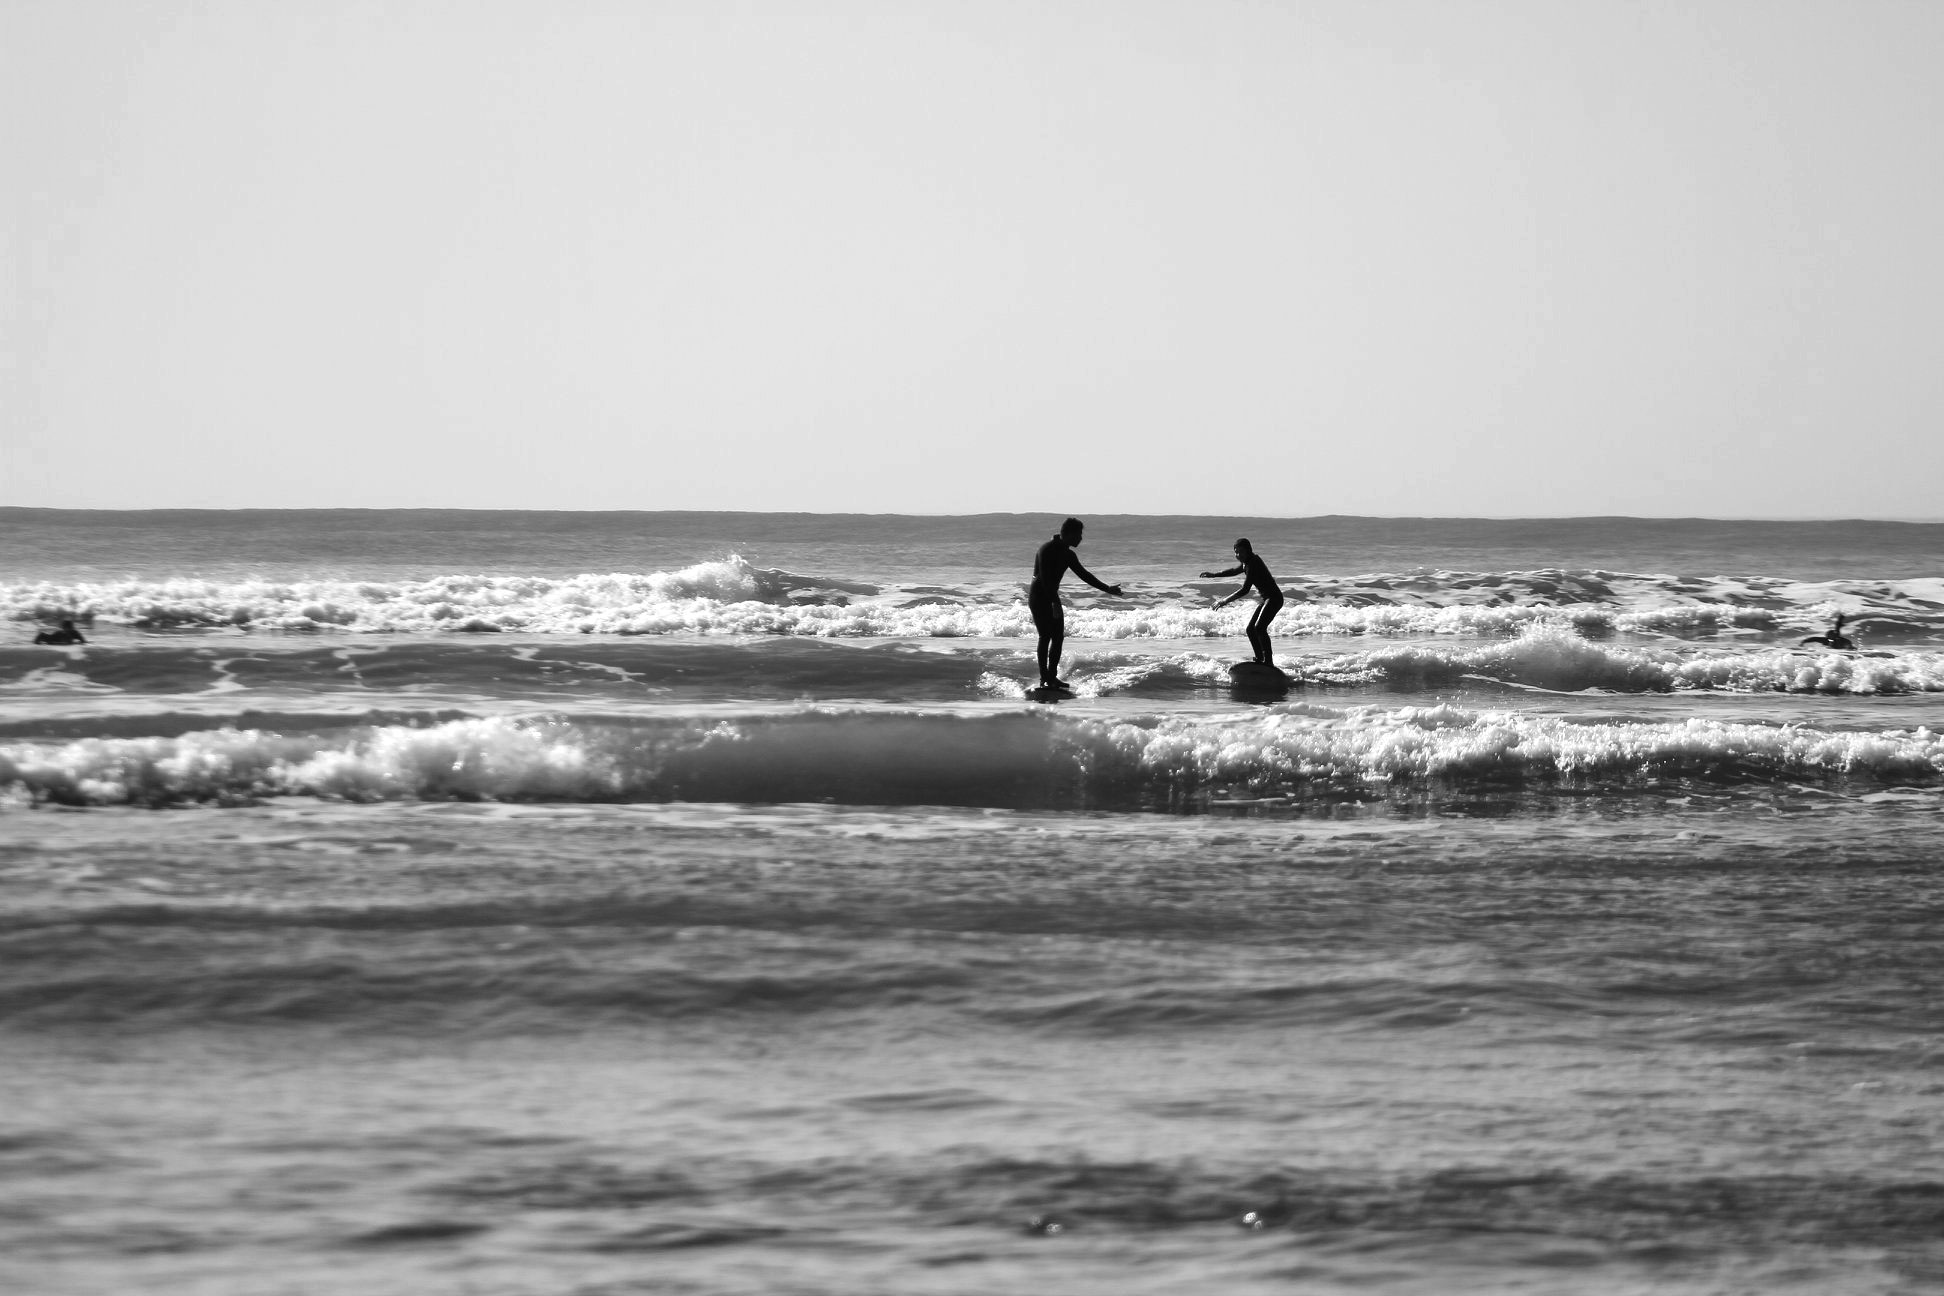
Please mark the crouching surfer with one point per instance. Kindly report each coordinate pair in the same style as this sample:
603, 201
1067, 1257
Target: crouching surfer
1255, 574
1054, 560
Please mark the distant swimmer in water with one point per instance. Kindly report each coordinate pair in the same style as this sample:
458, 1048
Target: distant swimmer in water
1256, 577
1054, 560
67, 634
1835, 638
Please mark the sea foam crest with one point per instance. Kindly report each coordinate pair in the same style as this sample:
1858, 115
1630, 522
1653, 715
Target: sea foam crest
732, 596
1310, 743
1552, 656
668, 599
464, 759
1014, 758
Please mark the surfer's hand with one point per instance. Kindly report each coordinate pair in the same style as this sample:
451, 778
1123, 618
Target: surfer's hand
1208, 575
1114, 590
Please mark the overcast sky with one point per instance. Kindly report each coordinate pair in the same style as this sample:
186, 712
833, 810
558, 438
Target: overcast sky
1375, 256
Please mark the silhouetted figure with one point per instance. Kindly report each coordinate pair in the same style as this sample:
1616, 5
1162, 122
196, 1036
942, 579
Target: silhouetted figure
1256, 577
67, 634
1835, 638
1054, 560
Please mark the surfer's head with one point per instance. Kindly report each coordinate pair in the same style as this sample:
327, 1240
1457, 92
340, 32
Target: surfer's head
1243, 549
1071, 530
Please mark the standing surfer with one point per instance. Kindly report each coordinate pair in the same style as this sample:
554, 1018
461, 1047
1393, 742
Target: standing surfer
1256, 576
1054, 560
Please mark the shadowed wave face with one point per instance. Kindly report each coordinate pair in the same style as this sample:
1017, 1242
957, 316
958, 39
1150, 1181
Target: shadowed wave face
1018, 761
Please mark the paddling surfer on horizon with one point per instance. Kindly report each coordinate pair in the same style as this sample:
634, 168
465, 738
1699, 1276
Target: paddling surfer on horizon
67, 634
1054, 559
1256, 576
1835, 638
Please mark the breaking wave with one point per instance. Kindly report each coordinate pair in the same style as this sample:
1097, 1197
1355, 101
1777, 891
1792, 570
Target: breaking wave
656, 603
1011, 759
732, 597
1555, 658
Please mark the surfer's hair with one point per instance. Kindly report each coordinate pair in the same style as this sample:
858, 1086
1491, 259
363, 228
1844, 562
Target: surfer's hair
1072, 524
1244, 544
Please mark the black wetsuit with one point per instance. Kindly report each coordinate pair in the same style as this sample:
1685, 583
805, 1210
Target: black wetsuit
1834, 639
1043, 597
1258, 578
1054, 560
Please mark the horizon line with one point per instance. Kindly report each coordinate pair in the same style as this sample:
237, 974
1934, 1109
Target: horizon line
994, 513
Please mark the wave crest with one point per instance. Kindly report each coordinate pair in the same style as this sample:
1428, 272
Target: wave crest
661, 601
1013, 759
731, 596
1551, 656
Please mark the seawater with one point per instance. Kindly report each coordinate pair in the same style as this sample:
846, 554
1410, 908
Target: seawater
479, 903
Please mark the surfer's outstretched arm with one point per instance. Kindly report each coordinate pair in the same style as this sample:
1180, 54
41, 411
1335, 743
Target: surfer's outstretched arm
1090, 578
1240, 569
1249, 582
1249, 567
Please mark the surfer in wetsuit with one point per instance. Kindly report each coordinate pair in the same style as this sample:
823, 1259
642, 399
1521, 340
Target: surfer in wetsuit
1054, 560
1835, 638
67, 634
1256, 577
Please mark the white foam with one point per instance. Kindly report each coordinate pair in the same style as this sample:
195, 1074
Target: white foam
493, 758
850, 755
1552, 656
993, 684
1309, 743
55, 679
731, 597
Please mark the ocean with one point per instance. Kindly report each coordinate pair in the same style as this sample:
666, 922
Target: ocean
495, 902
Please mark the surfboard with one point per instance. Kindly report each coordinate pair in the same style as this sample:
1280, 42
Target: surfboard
1041, 693
1257, 677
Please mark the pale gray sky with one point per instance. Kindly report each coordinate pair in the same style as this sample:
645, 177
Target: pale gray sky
1405, 257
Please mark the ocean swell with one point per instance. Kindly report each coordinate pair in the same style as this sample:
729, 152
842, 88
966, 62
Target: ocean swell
1013, 759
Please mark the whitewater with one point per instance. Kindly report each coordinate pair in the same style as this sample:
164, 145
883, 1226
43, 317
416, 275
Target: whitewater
474, 902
